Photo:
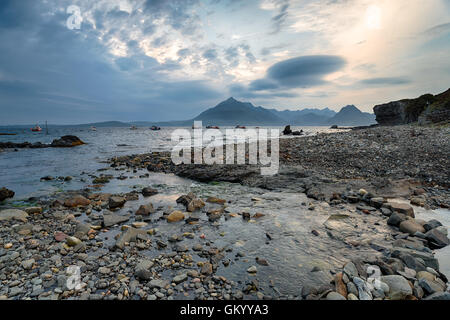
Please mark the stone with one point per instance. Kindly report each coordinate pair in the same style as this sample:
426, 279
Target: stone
110, 219
395, 219
351, 296
67, 142
410, 226
129, 235
158, 283
148, 192
116, 202
185, 199
427, 258
351, 289
195, 204
180, 278
417, 201
442, 230
215, 200
377, 202
175, 216
252, 269
13, 214
436, 239
77, 201
399, 287
207, 269
340, 286
104, 270
142, 270
430, 286
139, 224
145, 210
350, 270
28, 264
72, 241
432, 224
402, 208
33, 210
363, 289
60, 236
439, 296
335, 296
6, 194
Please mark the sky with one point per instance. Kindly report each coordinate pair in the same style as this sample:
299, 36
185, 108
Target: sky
80, 61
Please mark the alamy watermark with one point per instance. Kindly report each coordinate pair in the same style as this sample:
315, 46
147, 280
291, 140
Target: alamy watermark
207, 147
75, 19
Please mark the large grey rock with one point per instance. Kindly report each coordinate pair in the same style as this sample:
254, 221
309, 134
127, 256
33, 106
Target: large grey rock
428, 258
436, 239
395, 219
364, 291
439, 296
432, 224
430, 286
350, 270
13, 214
335, 296
116, 202
410, 226
110, 219
399, 287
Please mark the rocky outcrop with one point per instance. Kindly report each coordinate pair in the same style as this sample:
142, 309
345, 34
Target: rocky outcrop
426, 109
5, 194
63, 142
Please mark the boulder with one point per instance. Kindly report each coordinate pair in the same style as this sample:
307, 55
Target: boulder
110, 219
148, 192
402, 208
67, 142
436, 239
145, 210
77, 201
364, 292
175, 216
5, 194
411, 227
432, 224
195, 204
399, 287
186, 199
116, 202
395, 219
13, 214
287, 130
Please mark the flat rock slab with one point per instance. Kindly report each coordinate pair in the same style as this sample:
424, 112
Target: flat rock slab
402, 208
112, 219
13, 214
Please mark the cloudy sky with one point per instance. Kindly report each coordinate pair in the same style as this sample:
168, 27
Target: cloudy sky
171, 59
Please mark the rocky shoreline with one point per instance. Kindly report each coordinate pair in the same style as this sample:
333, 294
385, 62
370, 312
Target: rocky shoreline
128, 247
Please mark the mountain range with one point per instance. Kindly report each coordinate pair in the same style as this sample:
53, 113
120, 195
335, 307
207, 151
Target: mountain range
232, 112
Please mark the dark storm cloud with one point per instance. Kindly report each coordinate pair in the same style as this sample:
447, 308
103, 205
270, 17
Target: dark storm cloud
48, 72
300, 72
392, 81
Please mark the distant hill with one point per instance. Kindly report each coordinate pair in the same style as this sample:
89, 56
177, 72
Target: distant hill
352, 116
232, 112
289, 115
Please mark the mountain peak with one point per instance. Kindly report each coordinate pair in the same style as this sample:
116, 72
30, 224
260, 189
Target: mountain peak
350, 108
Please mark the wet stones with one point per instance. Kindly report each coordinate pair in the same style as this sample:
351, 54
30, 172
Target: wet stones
116, 202
148, 192
395, 219
129, 235
411, 226
436, 239
77, 201
401, 208
13, 214
175, 216
207, 269
142, 270
6, 194
252, 270
216, 200
73, 241
111, 219
399, 287
145, 210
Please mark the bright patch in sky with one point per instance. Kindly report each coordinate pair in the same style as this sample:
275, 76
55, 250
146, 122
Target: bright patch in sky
373, 17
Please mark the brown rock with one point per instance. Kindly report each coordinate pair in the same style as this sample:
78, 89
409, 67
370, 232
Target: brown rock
145, 210
340, 286
402, 208
411, 226
215, 200
207, 268
175, 216
77, 201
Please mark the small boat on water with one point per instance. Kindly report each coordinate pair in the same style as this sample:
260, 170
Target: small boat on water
155, 128
133, 128
240, 127
212, 127
36, 129
93, 129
